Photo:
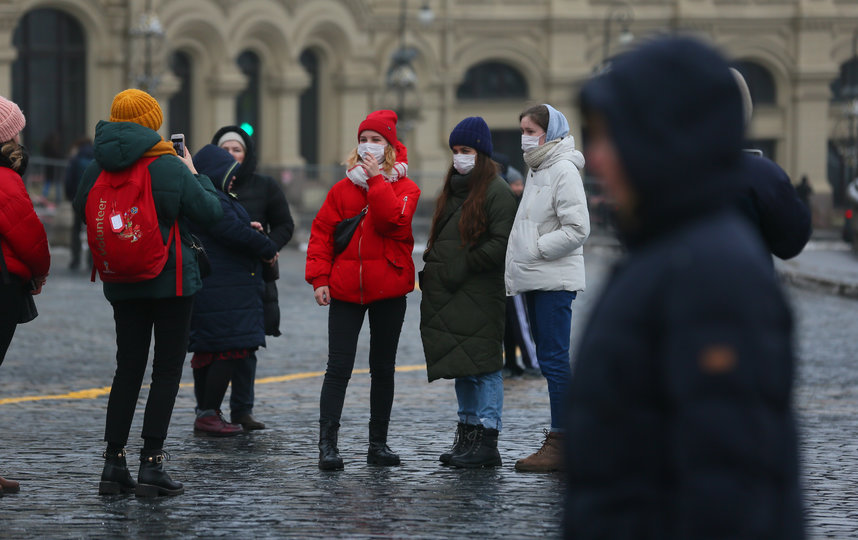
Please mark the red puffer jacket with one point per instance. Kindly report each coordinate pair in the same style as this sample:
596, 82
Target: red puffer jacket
25, 245
377, 263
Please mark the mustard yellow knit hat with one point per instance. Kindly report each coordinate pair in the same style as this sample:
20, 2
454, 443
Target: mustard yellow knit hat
136, 106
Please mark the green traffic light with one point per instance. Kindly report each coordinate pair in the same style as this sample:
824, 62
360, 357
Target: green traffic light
247, 128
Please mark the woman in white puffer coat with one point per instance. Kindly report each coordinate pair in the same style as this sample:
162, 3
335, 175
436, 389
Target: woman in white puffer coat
545, 258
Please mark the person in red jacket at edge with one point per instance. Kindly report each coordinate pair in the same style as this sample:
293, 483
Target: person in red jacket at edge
23, 243
373, 273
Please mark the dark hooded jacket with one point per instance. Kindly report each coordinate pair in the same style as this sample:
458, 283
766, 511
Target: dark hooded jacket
265, 202
177, 194
228, 310
772, 204
679, 419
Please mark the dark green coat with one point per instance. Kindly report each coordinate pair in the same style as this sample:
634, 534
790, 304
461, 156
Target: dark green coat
177, 194
462, 309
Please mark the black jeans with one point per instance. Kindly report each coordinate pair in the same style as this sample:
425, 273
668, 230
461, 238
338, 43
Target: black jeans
12, 300
344, 323
74, 240
135, 320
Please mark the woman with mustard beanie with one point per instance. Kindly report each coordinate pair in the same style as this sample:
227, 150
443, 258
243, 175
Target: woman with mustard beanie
161, 304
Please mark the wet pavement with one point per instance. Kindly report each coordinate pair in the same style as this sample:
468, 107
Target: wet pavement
267, 484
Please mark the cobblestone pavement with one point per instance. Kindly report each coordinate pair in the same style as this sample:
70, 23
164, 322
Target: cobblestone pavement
266, 484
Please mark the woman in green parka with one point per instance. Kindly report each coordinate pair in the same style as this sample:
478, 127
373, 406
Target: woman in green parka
464, 301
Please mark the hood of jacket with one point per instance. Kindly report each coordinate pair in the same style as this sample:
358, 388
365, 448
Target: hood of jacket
674, 113
119, 144
217, 164
564, 150
248, 166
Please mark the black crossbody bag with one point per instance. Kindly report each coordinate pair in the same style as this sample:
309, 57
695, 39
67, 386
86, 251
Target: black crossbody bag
345, 230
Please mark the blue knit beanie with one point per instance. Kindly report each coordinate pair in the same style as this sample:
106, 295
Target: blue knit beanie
473, 132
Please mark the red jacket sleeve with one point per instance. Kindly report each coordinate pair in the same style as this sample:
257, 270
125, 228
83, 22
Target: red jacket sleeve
391, 213
320, 249
25, 244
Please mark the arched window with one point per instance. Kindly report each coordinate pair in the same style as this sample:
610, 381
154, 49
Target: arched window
49, 79
180, 102
760, 82
845, 87
247, 102
310, 109
492, 80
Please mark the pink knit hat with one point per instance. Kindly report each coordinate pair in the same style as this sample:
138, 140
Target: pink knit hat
11, 120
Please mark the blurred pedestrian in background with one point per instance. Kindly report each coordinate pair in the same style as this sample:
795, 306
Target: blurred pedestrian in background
227, 322
545, 258
517, 336
24, 256
366, 267
83, 156
768, 198
52, 149
263, 198
141, 307
680, 419
463, 303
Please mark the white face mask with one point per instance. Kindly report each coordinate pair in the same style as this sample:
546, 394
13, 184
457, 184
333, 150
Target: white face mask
375, 150
529, 141
463, 163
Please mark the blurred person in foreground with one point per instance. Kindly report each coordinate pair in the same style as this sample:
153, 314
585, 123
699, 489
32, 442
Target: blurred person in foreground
680, 421
24, 255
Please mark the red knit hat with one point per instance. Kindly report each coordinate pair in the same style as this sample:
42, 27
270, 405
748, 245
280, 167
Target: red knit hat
384, 122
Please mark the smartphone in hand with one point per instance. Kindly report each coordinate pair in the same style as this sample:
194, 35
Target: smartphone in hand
178, 141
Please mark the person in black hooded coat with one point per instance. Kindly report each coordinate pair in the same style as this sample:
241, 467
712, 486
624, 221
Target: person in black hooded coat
680, 421
264, 200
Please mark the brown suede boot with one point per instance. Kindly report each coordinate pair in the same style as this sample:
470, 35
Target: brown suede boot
9, 486
546, 459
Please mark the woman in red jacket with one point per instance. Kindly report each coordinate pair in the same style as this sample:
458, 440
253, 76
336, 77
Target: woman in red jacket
373, 273
24, 256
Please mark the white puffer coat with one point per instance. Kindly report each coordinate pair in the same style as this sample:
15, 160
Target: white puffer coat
545, 250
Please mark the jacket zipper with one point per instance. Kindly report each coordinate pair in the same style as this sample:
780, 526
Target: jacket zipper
404, 202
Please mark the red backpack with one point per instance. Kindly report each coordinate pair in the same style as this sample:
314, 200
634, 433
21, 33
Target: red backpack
122, 228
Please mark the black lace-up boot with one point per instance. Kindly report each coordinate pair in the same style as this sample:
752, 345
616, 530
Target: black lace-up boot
329, 455
379, 453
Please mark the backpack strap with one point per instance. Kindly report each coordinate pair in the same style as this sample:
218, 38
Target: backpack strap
176, 237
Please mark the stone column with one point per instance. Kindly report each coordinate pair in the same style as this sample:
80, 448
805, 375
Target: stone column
222, 88
282, 140
811, 95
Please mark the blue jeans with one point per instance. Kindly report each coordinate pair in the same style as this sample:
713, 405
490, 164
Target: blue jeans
480, 399
551, 323
243, 379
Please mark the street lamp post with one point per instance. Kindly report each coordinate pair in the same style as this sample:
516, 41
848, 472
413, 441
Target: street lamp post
148, 28
623, 14
401, 76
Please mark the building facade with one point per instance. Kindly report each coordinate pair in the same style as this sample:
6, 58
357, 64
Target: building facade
303, 74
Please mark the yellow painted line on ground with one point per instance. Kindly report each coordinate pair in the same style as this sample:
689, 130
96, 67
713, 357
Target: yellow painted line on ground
93, 393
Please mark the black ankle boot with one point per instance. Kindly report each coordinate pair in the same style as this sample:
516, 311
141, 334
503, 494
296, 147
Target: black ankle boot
115, 477
482, 453
153, 480
460, 441
379, 453
329, 455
